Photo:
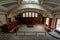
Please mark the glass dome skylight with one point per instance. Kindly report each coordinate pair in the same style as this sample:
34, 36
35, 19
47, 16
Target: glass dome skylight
30, 1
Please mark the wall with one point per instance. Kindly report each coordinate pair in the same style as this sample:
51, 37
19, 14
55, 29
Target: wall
11, 16
3, 20
56, 15
3, 17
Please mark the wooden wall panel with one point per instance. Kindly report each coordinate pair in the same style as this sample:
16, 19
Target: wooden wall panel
50, 22
43, 20
27, 20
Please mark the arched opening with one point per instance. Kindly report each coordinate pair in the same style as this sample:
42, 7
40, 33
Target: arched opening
29, 17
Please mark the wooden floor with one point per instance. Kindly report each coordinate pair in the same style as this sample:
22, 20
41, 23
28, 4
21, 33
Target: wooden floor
36, 28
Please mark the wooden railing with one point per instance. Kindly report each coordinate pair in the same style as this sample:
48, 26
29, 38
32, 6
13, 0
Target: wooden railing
12, 25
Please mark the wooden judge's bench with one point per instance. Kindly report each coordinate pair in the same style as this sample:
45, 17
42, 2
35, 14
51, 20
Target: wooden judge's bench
30, 23
28, 20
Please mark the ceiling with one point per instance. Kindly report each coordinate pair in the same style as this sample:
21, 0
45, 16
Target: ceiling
52, 5
8, 4
55, 1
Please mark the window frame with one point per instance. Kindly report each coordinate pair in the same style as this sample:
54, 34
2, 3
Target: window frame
30, 2
56, 23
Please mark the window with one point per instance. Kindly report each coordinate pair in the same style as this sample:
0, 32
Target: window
30, 1
47, 21
30, 14
36, 14
23, 14
26, 14
58, 25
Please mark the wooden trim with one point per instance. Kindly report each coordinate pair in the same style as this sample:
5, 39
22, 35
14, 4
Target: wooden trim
34, 14
56, 22
43, 20
28, 14
31, 14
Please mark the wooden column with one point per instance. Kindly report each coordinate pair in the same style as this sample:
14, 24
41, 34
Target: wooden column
9, 20
43, 20
50, 22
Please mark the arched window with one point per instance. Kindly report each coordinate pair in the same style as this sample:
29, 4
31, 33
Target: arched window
26, 14
36, 14
23, 14
33, 14
30, 14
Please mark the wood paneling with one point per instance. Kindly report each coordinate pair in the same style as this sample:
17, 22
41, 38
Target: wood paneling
50, 22
9, 20
43, 20
12, 25
28, 20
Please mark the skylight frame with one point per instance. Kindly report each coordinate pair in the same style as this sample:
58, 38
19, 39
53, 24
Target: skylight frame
30, 2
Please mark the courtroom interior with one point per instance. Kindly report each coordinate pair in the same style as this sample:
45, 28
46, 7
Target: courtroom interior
29, 19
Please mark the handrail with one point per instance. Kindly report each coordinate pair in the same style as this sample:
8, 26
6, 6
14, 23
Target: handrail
34, 33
